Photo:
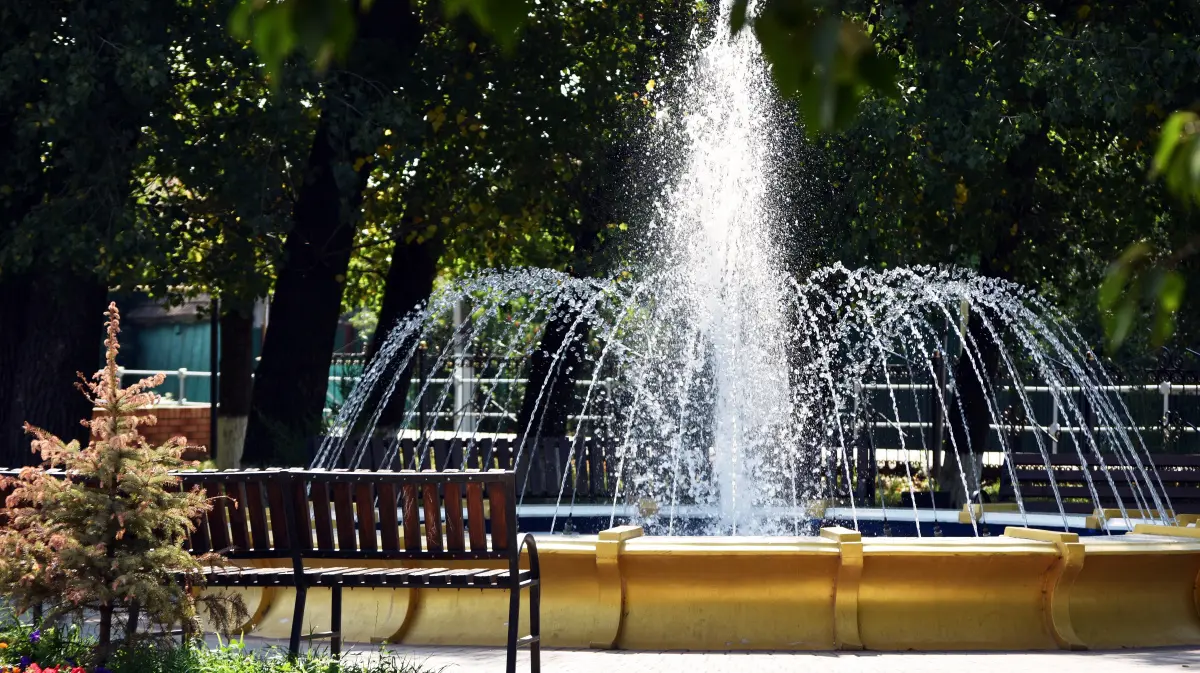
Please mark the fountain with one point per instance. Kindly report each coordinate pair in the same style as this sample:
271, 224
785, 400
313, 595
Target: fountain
737, 398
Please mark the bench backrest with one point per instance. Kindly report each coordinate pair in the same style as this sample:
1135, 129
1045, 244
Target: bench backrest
357, 514
1179, 474
579, 469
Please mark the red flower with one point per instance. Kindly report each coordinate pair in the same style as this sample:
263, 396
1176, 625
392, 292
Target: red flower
34, 668
78, 669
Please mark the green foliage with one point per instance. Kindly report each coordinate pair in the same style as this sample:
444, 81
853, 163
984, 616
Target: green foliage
322, 29
222, 164
234, 657
824, 60
502, 18
61, 647
107, 535
512, 145
1018, 145
53, 645
78, 83
1177, 159
1134, 278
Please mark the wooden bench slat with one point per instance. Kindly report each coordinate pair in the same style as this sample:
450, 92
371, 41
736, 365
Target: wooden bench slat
488, 577
433, 517
412, 519
503, 455
235, 490
218, 524
454, 517
318, 495
278, 515
408, 454
200, 542
389, 527
256, 511
343, 512
500, 523
304, 526
440, 448
476, 525
364, 505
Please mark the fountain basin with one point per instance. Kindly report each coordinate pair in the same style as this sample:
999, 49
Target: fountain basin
1024, 590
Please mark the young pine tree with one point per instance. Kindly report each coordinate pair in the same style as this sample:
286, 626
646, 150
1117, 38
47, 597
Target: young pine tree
105, 535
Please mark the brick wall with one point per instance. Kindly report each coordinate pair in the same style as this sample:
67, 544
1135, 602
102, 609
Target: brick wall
189, 421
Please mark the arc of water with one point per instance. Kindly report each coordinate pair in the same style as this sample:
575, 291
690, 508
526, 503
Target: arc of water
975, 356
887, 379
1056, 385
1072, 409
1027, 405
827, 374
1166, 514
586, 312
608, 339
336, 439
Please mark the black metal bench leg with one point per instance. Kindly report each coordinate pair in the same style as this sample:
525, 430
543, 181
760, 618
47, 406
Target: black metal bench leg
297, 621
535, 626
335, 618
514, 622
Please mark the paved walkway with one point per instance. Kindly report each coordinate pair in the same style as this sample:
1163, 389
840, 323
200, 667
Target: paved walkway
491, 660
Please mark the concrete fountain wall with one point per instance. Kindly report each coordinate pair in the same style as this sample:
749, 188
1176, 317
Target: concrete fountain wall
1026, 590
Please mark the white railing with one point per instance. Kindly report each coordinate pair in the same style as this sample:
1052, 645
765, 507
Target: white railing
1165, 389
181, 375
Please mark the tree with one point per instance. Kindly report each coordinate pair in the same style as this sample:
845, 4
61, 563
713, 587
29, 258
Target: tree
80, 81
524, 158
361, 100
227, 158
107, 536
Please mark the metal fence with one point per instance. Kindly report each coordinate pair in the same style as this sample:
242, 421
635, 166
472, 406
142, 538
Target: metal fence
482, 394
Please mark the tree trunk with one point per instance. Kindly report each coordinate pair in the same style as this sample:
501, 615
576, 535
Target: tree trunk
970, 437
292, 376
409, 283
14, 303
61, 337
104, 631
550, 388
293, 373
236, 383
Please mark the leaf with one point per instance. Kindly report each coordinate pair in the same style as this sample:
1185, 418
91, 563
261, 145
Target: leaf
1169, 289
826, 61
502, 18
1172, 132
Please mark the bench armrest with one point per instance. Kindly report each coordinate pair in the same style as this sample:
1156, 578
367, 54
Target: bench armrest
535, 569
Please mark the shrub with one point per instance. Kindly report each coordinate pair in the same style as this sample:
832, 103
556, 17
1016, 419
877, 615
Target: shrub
106, 534
65, 650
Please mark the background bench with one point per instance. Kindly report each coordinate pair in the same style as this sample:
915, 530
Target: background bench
1180, 476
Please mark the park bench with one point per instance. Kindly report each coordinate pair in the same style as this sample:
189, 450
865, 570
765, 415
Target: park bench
413, 520
1179, 475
